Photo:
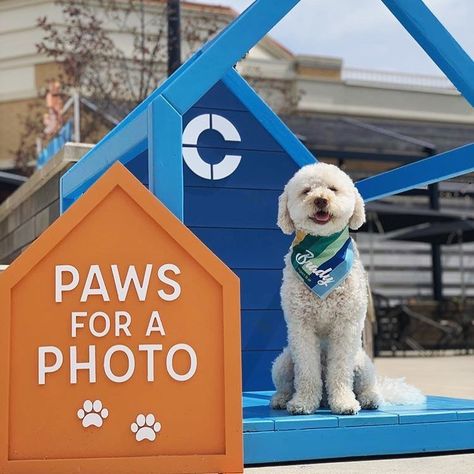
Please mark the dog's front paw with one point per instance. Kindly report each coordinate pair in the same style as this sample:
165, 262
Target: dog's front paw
369, 400
280, 400
345, 405
300, 406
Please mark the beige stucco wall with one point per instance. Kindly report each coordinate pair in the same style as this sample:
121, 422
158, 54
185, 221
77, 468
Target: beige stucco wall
10, 127
12, 112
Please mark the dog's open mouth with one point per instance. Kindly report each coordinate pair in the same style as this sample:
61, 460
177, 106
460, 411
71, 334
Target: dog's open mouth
321, 217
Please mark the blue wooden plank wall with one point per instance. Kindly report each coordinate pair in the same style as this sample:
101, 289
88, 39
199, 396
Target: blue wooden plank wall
236, 218
139, 167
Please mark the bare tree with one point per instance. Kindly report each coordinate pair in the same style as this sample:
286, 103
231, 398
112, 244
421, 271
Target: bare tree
85, 45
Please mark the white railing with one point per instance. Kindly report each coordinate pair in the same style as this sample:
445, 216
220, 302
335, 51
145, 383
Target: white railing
400, 79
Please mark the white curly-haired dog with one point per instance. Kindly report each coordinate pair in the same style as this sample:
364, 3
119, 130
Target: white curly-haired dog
324, 357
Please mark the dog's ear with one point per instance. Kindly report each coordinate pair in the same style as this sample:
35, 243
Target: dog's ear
284, 221
357, 219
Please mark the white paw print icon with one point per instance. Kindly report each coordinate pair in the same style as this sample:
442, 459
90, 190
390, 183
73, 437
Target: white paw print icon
92, 413
145, 427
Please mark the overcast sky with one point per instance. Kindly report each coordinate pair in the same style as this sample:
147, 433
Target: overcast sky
364, 32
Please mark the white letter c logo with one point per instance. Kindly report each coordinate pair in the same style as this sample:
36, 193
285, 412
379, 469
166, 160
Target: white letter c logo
191, 154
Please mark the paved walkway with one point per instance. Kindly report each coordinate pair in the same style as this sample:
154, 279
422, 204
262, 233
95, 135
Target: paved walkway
449, 376
446, 464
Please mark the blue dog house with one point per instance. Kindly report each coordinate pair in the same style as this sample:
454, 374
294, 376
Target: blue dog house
235, 215
213, 152
234, 170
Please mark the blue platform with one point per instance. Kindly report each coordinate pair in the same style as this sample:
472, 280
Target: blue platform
272, 436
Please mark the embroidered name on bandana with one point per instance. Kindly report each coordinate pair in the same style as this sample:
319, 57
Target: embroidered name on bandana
323, 263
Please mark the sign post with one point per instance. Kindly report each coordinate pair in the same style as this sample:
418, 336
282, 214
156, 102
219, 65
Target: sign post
120, 344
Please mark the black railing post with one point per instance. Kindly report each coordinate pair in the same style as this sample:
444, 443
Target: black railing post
437, 268
174, 35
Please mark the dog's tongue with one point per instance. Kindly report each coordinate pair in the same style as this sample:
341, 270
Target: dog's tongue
322, 216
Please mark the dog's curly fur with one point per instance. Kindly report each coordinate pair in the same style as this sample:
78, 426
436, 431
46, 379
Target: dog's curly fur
324, 362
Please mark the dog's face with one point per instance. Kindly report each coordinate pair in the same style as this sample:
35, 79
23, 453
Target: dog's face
320, 199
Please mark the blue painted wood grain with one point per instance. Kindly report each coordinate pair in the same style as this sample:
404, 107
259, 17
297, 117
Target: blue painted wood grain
257, 170
256, 424
138, 166
263, 330
256, 370
246, 248
369, 418
218, 97
285, 423
431, 416
260, 289
465, 415
231, 207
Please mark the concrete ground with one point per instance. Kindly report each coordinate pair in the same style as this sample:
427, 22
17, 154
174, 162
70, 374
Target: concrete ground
449, 376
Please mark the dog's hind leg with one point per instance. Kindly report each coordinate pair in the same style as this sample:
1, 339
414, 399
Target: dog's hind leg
365, 382
283, 379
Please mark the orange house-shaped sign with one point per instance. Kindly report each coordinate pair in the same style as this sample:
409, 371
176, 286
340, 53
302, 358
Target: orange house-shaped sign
120, 344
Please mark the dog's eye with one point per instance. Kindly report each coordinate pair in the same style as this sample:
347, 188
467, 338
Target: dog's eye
305, 191
333, 189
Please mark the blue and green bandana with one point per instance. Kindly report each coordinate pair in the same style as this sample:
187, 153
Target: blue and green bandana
323, 263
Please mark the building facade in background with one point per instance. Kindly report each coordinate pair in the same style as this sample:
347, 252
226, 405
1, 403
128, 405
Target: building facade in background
365, 121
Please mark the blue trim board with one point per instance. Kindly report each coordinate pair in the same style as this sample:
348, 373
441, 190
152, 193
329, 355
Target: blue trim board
443, 424
438, 43
420, 173
165, 165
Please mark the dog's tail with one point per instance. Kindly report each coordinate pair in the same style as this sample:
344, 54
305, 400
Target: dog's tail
398, 392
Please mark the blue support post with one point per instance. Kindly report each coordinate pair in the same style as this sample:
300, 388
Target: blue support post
165, 164
421, 173
433, 37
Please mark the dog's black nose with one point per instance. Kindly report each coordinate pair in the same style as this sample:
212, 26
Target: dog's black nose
321, 202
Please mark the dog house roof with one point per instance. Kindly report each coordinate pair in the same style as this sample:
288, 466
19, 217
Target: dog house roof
155, 126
